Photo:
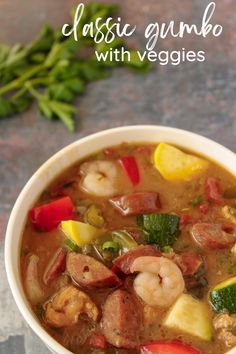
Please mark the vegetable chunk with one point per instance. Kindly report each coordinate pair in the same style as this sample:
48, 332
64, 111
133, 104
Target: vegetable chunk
79, 232
130, 166
162, 229
223, 296
48, 216
172, 347
174, 164
190, 316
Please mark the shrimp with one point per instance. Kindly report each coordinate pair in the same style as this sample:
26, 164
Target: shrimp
226, 324
99, 178
67, 305
160, 282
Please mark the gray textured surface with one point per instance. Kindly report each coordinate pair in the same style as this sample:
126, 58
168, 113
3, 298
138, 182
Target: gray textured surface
197, 97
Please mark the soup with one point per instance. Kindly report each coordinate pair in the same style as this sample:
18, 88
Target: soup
132, 250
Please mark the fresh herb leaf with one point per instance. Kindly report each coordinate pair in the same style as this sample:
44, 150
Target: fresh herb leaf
56, 109
162, 229
6, 107
136, 63
58, 67
60, 92
21, 103
4, 51
196, 201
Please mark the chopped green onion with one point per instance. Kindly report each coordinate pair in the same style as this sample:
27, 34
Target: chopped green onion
110, 246
125, 241
167, 249
71, 245
196, 201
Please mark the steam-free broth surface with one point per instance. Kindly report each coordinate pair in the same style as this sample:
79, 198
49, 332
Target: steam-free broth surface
112, 247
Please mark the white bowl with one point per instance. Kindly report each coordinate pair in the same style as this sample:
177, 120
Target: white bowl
64, 159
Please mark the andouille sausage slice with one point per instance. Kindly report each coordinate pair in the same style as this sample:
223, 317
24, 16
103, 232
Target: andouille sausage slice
212, 236
125, 261
137, 203
56, 266
90, 273
122, 320
188, 262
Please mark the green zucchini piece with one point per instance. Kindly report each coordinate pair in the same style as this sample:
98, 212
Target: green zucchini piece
161, 229
223, 296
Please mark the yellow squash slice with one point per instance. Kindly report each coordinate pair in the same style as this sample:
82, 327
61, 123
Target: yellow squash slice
174, 164
79, 232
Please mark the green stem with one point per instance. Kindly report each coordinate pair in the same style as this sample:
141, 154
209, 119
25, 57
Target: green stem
19, 93
40, 81
33, 82
13, 85
32, 90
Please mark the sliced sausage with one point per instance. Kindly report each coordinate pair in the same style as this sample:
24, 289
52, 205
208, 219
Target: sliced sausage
121, 321
67, 305
125, 261
213, 191
213, 236
90, 273
56, 266
32, 284
188, 262
137, 203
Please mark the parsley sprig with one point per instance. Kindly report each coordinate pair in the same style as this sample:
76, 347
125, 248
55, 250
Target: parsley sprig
52, 69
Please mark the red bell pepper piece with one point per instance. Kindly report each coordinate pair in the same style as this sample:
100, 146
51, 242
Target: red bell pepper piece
204, 207
186, 219
130, 166
97, 341
173, 347
48, 216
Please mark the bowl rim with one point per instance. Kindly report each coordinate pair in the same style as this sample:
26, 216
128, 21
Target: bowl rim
21, 303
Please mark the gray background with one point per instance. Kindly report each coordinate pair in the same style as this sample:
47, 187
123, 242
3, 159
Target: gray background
197, 97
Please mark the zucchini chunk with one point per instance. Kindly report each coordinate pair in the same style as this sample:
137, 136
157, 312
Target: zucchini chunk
161, 229
191, 316
223, 296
